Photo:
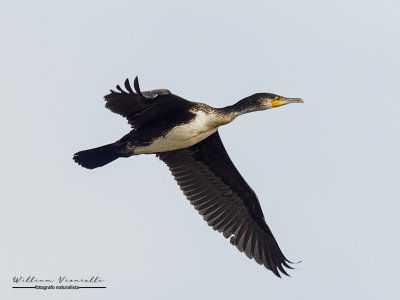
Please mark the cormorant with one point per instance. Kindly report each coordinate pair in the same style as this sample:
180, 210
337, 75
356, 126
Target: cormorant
184, 135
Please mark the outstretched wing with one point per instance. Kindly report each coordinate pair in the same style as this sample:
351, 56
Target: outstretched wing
211, 183
130, 104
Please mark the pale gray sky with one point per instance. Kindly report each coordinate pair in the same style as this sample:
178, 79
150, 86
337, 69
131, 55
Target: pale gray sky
327, 172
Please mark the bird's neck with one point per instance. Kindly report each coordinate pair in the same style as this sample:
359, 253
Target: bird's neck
243, 106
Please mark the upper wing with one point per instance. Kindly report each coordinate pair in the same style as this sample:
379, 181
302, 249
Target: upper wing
130, 104
211, 183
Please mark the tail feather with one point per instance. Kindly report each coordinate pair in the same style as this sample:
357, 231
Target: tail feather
96, 157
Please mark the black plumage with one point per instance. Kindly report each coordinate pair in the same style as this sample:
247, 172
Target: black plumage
184, 135
213, 185
156, 109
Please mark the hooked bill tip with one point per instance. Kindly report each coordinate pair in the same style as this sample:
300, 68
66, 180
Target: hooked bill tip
294, 100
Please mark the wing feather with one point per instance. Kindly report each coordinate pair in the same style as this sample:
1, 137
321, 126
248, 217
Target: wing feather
219, 193
131, 104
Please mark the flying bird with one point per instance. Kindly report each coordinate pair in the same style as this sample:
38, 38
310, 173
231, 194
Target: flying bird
184, 135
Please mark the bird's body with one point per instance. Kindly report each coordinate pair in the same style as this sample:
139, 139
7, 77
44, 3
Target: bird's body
184, 135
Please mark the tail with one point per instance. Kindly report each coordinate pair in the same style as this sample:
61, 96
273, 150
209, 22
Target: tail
97, 157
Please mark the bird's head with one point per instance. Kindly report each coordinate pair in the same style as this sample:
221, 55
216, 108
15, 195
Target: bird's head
267, 100
255, 102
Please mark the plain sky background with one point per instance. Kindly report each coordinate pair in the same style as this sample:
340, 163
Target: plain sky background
327, 172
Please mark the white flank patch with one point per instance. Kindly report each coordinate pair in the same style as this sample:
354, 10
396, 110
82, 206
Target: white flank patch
183, 136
